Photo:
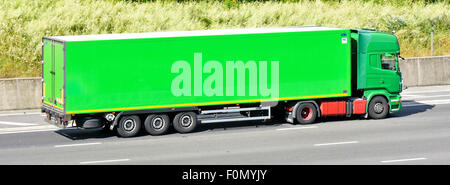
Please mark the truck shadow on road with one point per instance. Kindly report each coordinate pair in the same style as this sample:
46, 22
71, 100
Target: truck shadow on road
81, 134
411, 108
99, 133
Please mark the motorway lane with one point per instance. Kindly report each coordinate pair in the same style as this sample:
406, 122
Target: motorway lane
417, 135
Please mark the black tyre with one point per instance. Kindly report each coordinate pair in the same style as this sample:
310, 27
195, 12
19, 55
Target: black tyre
129, 126
306, 113
157, 124
185, 122
378, 107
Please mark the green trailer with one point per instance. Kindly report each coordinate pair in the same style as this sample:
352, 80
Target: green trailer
187, 78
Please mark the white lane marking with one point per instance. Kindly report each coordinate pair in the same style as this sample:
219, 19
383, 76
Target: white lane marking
407, 95
402, 160
296, 128
81, 144
17, 123
28, 129
23, 114
430, 102
436, 96
104, 161
417, 92
337, 143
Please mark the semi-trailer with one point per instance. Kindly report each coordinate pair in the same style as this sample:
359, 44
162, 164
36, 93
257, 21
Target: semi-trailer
182, 79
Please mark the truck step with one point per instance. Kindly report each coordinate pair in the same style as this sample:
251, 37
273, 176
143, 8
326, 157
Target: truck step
235, 114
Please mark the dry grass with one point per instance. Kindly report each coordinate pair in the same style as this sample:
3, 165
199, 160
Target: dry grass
23, 23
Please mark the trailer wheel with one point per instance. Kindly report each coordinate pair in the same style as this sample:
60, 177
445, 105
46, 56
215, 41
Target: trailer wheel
157, 124
306, 113
185, 122
129, 126
378, 107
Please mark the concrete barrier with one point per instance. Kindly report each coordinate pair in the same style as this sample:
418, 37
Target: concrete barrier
20, 93
25, 93
424, 71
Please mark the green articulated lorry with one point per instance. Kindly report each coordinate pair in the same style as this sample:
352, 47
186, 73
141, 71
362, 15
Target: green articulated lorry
183, 79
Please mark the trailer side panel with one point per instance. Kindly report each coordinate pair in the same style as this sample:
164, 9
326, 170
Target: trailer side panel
135, 74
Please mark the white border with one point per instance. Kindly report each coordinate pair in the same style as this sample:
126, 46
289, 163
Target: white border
190, 33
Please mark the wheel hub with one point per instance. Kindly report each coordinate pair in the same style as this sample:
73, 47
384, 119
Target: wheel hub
378, 108
129, 125
186, 121
306, 113
158, 123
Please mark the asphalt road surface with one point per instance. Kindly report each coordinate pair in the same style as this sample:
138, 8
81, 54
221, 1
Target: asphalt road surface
420, 134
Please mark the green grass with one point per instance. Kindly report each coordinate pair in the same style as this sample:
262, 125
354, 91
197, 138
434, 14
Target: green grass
23, 23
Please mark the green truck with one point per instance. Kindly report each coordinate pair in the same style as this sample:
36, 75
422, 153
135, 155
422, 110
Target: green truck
182, 79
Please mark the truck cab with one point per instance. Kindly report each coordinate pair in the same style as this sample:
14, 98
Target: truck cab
378, 72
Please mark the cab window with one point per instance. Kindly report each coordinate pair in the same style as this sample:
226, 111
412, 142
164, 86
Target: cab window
388, 62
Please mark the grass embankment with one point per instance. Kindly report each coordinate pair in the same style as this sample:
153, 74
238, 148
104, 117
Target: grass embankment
24, 22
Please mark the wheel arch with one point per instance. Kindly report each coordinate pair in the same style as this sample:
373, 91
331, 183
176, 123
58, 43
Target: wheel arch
369, 95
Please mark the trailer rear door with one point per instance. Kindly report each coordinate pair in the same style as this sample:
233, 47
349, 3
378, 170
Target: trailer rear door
53, 74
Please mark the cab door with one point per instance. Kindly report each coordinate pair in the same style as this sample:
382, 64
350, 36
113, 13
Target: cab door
390, 75
383, 72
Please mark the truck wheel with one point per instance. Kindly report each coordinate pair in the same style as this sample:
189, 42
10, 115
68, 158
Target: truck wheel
185, 122
378, 108
306, 113
157, 124
129, 126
